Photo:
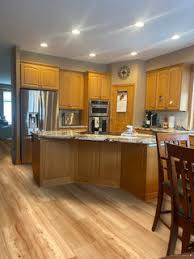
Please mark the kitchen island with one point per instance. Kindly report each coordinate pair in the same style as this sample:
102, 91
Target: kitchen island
129, 163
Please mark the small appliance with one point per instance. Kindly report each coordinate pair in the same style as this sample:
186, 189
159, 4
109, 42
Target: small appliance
150, 119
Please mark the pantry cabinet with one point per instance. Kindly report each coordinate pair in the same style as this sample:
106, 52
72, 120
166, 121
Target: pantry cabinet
99, 86
168, 88
39, 76
71, 90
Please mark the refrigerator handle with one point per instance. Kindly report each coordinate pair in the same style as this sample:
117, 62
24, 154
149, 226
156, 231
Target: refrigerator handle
40, 111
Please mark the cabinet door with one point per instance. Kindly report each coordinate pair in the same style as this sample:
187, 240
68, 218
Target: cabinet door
105, 87
65, 89
175, 79
94, 86
30, 75
162, 90
119, 120
76, 91
50, 78
151, 87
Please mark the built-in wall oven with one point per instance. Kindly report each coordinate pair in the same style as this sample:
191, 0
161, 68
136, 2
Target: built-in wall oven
98, 108
99, 116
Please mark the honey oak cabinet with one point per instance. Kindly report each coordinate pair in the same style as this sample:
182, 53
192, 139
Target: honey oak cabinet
175, 83
162, 90
71, 90
39, 76
50, 77
151, 83
30, 75
168, 88
99, 86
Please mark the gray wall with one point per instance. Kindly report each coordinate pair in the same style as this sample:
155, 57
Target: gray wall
5, 65
137, 77
63, 63
185, 55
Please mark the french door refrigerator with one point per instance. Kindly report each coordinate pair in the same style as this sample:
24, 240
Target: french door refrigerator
39, 112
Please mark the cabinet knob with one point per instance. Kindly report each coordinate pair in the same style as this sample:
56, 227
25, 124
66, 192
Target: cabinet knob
171, 102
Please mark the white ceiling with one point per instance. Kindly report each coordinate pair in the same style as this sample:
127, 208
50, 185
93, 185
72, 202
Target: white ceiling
106, 27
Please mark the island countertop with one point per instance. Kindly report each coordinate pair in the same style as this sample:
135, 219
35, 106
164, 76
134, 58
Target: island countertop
72, 134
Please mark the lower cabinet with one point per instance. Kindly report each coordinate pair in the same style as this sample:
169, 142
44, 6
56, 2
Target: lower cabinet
99, 163
59, 168
130, 166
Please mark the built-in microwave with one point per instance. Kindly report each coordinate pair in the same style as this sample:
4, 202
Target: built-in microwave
69, 118
98, 108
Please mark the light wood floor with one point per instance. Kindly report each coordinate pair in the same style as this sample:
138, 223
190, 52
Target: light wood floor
72, 221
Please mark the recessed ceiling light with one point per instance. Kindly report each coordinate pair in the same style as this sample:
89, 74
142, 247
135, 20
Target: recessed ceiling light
175, 37
139, 24
75, 32
133, 53
92, 55
44, 44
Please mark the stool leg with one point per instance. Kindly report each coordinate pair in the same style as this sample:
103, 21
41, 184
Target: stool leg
185, 241
173, 238
158, 207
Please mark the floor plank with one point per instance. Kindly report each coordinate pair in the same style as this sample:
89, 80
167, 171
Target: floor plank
73, 221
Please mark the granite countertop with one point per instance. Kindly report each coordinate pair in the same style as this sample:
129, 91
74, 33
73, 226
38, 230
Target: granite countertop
72, 134
191, 132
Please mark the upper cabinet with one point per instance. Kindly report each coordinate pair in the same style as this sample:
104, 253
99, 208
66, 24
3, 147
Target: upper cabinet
151, 83
162, 90
175, 82
49, 77
71, 90
168, 88
30, 75
99, 86
39, 76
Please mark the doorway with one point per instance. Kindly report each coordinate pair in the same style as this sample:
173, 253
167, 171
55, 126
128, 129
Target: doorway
122, 104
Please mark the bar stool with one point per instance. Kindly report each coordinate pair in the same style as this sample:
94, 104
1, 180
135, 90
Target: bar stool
181, 166
163, 179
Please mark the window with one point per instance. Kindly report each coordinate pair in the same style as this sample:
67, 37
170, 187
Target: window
7, 106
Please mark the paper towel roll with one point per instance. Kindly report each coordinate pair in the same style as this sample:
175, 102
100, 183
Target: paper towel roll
96, 122
171, 121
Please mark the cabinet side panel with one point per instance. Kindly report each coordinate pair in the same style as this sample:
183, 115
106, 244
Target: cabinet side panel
133, 168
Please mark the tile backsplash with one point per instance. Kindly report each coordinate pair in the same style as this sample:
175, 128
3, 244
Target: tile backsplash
181, 118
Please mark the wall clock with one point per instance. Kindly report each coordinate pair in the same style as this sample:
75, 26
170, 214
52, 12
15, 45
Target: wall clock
124, 72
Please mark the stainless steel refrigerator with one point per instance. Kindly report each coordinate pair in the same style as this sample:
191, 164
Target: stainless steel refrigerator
39, 111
